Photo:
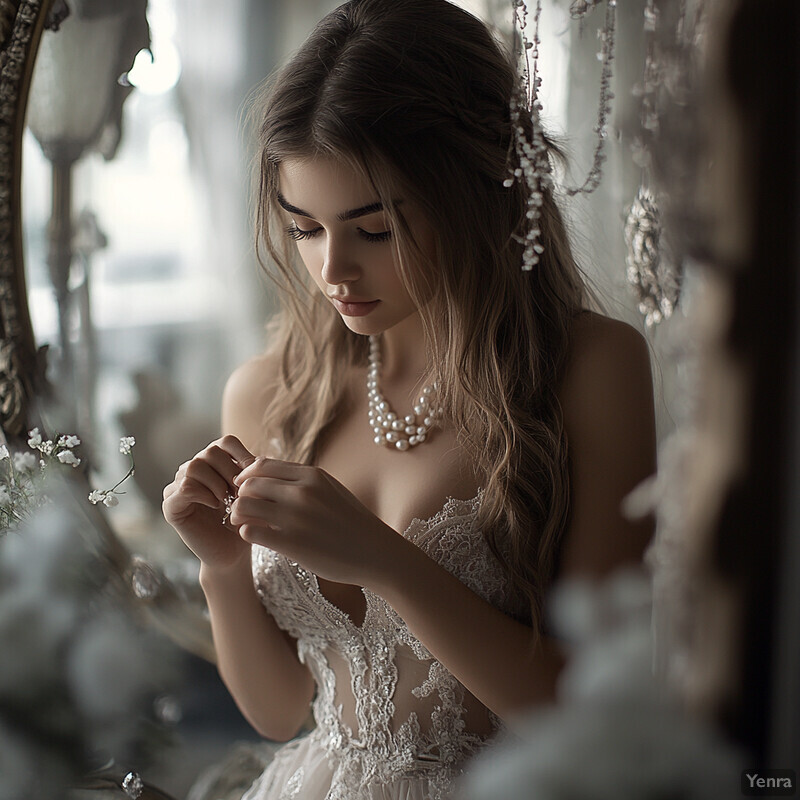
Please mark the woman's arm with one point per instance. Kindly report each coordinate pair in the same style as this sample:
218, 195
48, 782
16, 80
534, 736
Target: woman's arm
608, 412
256, 660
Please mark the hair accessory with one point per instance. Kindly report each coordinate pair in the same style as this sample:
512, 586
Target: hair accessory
389, 429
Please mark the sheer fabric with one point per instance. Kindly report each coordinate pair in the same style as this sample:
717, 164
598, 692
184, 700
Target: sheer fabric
391, 722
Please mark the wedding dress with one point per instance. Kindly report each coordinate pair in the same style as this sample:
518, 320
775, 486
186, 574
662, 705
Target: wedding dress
391, 722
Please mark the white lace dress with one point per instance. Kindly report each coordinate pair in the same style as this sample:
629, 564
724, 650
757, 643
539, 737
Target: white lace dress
391, 722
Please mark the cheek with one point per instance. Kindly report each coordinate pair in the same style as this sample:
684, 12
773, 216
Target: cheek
311, 257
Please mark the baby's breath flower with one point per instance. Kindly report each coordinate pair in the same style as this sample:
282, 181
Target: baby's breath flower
110, 500
125, 445
24, 462
34, 438
46, 448
96, 496
4, 454
69, 441
68, 457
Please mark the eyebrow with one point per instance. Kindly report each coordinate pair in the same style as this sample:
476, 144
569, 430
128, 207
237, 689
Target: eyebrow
345, 216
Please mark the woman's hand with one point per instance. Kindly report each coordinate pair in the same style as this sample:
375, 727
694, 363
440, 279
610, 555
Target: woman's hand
194, 503
307, 515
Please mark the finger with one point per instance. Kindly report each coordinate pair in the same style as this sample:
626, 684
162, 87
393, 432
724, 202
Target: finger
236, 450
273, 468
192, 493
260, 534
255, 511
202, 472
261, 488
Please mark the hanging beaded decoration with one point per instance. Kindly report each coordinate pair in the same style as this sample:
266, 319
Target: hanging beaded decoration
649, 271
653, 275
532, 161
607, 35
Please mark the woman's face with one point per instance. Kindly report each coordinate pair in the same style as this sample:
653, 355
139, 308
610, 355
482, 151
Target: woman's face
345, 241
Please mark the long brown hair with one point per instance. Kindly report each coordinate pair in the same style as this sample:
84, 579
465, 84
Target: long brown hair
414, 95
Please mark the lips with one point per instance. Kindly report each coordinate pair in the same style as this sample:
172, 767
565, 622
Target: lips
348, 299
354, 308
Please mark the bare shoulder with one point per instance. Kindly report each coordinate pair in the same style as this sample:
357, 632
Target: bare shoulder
606, 398
247, 393
608, 363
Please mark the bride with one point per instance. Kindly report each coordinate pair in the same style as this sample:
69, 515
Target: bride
435, 435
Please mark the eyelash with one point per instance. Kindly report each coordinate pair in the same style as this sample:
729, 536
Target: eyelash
298, 234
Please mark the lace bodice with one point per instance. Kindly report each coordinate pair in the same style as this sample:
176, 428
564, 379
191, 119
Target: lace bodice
384, 706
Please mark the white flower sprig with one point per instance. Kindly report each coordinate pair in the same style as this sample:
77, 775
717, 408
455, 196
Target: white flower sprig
109, 497
23, 474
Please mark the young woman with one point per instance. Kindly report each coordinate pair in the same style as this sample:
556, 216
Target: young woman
392, 566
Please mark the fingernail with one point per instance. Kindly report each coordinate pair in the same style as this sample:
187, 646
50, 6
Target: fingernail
237, 479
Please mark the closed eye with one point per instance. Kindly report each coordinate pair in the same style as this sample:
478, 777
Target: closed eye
383, 236
298, 233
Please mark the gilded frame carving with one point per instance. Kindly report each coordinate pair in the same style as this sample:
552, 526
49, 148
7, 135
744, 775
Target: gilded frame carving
21, 367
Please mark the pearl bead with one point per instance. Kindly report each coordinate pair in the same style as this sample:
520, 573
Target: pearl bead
403, 432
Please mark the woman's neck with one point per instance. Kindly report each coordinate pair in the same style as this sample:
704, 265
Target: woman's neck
403, 357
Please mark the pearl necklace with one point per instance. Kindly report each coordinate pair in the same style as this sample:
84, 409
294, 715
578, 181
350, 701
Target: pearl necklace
389, 429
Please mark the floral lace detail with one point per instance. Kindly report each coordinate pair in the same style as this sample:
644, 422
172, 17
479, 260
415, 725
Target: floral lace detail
371, 733
293, 785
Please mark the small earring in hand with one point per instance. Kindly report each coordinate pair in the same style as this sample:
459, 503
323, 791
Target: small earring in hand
229, 498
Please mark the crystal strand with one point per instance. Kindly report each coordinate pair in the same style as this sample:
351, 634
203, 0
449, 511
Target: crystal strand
608, 39
533, 164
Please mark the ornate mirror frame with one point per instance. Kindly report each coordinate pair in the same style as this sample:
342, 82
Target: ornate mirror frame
21, 365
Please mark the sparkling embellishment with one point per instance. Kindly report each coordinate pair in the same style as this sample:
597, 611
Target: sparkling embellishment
145, 581
132, 785
167, 709
401, 432
229, 498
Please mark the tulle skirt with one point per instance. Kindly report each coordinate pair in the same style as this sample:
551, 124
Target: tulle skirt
304, 770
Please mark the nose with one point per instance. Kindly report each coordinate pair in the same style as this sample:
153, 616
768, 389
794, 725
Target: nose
341, 264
